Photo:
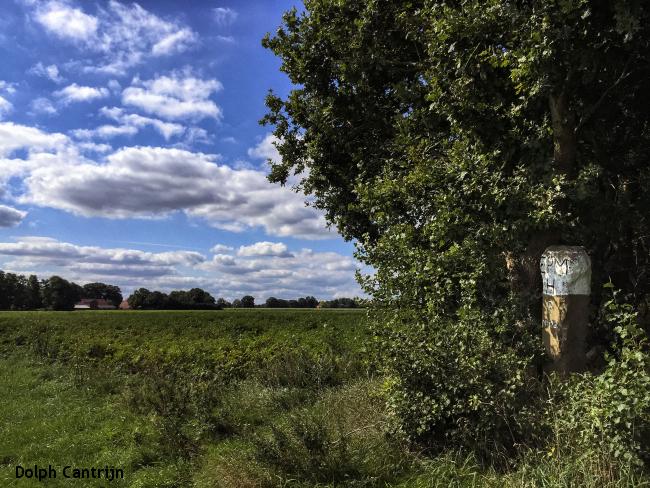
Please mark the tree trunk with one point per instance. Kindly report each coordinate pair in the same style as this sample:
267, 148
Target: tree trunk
523, 269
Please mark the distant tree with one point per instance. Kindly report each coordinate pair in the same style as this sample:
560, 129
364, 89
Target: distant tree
340, 303
13, 289
179, 299
110, 293
34, 299
272, 302
157, 301
138, 298
198, 296
236, 303
311, 302
223, 303
5, 297
60, 294
248, 301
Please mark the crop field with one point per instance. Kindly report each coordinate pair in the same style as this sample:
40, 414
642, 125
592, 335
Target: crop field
232, 399
208, 398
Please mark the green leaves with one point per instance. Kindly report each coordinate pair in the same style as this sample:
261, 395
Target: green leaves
450, 140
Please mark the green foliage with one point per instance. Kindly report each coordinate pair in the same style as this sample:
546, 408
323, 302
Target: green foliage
265, 398
194, 299
462, 383
60, 294
610, 412
338, 440
454, 141
111, 293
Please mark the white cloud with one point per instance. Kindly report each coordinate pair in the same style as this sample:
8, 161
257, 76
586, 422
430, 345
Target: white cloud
10, 217
265, 248
266, 149
125, 35
42, 105
93, 147
224, 16
130, 124
51, 72
10, 88
5, 107
166, 129
305, 272
177, 96
221, 248
43, 251
75, 93
197, 135
105, 132
15, 136
176, 42
152, 182
65, 21
321, 274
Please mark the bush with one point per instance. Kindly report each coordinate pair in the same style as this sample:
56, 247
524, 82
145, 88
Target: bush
610, 412
462, 384
340, 440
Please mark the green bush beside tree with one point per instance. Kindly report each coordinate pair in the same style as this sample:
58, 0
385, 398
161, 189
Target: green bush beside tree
454, 141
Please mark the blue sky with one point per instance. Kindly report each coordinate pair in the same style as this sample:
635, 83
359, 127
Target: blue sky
130, 151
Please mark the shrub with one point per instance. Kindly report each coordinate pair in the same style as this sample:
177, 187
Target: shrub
340, 440
466, 383
610, 412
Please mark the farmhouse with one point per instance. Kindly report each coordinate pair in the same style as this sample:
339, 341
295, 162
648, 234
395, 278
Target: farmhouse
94, 304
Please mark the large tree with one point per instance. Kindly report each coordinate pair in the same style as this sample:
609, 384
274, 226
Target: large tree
454, 141
60, 294
111, 293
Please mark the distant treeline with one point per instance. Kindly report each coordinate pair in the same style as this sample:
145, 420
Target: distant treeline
18, 292
197, 298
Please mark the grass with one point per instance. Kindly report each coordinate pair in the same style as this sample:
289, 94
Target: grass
47, 419
230, 399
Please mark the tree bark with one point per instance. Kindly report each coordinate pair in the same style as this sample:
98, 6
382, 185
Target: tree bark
523, 269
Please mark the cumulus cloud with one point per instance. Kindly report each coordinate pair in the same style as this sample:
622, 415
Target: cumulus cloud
51, 72
149, 181
321, 274
265, 248
10, 217
16, 136
94, 147
105, 132
177, 96
224, 16
75, 93
130, 124
166, 129
5, 107
304, 272
125, 35
64, 21
48, 250
173, 43
266, 149
42, 105
221, 248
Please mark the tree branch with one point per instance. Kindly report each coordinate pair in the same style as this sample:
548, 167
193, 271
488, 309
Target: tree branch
595, 107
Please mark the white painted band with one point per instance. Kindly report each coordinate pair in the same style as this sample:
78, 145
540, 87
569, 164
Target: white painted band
565, 271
